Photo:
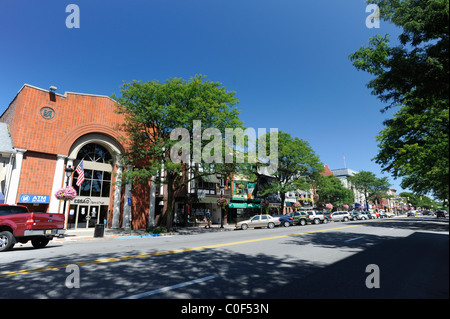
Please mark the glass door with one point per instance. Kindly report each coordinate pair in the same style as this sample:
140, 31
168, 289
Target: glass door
94, 214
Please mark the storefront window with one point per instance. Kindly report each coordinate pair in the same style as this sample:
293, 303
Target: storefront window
97, 183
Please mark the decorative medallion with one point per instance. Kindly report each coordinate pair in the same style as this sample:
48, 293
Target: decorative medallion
47, 113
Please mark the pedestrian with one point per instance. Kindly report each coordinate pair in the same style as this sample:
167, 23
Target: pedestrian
208, 219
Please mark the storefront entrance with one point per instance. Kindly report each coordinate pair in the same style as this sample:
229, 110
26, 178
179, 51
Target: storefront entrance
92, 205
86, 216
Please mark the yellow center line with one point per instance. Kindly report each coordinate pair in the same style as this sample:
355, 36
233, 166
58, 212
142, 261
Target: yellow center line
159, 253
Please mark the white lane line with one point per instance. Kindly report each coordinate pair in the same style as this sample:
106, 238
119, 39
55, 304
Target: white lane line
157, 291
353, 238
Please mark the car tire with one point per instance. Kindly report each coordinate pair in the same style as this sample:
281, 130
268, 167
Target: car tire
286, 224
7, 240
39, 242
345, 219
302, 222
325, 221
244, 226
270, 225
316, 221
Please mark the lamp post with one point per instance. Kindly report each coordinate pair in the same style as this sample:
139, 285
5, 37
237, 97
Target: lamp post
219, 175
221, 209
68, 171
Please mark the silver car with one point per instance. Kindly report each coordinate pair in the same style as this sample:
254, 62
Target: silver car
340, 216
259, 221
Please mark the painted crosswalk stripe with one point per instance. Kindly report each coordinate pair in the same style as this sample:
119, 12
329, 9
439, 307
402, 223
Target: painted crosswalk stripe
157, 291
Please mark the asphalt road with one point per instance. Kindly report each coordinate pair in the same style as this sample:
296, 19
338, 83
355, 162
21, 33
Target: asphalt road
314, 261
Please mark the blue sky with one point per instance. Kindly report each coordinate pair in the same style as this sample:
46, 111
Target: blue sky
287, 60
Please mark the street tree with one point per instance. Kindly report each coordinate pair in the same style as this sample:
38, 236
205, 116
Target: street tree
298, 166
412, 77
372, 187
153, 110
330, 190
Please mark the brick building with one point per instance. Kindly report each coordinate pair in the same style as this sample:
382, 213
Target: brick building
50, 132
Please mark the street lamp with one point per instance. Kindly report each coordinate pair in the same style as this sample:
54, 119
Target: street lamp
68, 171
221, 196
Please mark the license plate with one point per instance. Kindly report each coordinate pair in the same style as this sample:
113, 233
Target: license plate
48, 231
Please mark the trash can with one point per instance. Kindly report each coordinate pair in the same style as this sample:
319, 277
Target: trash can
99, 230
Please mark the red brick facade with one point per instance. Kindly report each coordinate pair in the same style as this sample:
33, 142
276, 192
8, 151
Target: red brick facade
47, 124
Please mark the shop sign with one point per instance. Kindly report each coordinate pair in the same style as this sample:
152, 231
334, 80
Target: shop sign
91, 201
34, 199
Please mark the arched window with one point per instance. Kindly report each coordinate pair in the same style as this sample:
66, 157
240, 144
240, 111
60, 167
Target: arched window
97, 178
94, 153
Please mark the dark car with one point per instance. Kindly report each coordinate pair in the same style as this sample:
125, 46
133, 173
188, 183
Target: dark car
285, 220
440, 213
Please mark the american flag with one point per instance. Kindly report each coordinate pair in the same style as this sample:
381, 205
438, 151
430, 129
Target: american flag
80, 172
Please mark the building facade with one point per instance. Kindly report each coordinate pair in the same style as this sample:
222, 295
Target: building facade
51, 132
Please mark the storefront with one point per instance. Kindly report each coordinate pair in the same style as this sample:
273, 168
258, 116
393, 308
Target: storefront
51, 132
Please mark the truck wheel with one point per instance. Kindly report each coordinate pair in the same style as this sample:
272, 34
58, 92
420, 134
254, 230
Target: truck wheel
7, 240
40, 242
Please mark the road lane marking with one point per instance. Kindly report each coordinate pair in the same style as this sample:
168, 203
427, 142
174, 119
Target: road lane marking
353, 239
157, 291
165, 252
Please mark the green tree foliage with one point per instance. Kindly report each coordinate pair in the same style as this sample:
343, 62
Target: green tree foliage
372, 187
331, 190
421, 201
153, 110
298, 165
413, 76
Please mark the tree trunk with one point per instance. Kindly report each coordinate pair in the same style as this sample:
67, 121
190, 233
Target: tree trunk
167, 220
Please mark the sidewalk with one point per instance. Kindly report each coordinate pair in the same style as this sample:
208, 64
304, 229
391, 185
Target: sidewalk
86, 234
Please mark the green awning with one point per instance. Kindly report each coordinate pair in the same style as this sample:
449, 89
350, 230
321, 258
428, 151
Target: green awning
211, 179
244, 205
237, 205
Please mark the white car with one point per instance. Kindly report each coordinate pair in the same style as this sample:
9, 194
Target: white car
340, 216
259, 221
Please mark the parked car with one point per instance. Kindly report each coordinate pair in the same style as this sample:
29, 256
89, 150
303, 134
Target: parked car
285, 220
374, 215
355, 215
316, 217
17, 224
410, 214
327, 215
390, 214
340, 216
441, 214
383, 215
300, 218
259, 221
366, 214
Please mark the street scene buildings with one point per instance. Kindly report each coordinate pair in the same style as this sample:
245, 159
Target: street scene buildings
43, 133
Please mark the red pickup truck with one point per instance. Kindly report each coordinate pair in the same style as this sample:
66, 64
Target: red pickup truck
17, 224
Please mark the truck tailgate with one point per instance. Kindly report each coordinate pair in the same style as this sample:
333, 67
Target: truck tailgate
47, 221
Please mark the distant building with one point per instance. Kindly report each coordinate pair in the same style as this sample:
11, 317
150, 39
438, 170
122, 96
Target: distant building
343, 174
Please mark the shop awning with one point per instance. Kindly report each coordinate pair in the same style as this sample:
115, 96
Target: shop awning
210, 179
237, 205
244, 205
